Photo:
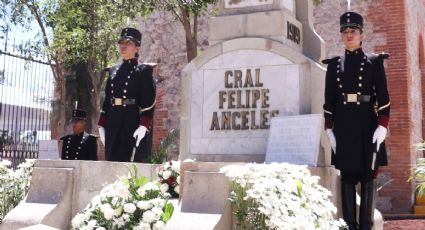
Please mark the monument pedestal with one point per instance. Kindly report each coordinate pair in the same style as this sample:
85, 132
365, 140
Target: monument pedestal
204, 196
60, 189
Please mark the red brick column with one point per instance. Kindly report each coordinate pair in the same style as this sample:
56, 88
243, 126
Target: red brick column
391, 19
160, 117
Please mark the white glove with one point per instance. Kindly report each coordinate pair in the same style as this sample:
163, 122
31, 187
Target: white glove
332, 140
102, 134
139, 134
379, 136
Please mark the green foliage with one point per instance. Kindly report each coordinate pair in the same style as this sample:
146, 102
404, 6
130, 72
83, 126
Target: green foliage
194, 7
160, 154
418, 172
90, 31
168, 212
316, 2
245, 210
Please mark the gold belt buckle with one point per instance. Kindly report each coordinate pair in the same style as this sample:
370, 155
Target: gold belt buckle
351, 97
118, 101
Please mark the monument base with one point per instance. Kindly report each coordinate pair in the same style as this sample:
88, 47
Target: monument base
60, 189
204, 196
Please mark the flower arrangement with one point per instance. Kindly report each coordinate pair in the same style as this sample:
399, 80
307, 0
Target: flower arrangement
129, 203
279, 196
14, 184
169, 177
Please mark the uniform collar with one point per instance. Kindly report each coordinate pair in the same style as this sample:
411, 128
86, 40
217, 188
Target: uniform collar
355, 52
79, 134
131, 61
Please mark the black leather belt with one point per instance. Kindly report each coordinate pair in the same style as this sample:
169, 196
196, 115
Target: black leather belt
122, 101
352, 97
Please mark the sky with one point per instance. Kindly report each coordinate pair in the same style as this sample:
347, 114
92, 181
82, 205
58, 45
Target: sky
27, 80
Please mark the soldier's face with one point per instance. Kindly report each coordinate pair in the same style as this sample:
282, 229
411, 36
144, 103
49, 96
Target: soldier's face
78, 126
128, 49
351, 38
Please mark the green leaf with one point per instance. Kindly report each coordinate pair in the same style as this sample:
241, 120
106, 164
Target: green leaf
168, 212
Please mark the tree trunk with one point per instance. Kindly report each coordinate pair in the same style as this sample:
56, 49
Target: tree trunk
58, 112
191, 37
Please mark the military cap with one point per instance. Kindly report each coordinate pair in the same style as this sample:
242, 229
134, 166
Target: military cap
350, 19
78, 114
131, 34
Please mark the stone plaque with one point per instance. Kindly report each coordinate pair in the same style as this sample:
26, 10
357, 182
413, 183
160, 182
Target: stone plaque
48, 149
235, 96
245, 3
294, 139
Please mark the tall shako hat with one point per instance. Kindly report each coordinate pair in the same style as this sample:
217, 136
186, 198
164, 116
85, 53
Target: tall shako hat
78, 114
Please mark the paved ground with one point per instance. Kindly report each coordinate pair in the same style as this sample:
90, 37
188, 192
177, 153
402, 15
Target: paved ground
405, 224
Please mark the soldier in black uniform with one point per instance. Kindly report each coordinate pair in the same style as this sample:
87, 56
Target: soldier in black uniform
356, 110
80, 145
127, 110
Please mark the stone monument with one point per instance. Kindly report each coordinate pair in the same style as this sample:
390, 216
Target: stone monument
261, 64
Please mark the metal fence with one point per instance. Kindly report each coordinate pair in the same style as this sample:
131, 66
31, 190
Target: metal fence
26, 92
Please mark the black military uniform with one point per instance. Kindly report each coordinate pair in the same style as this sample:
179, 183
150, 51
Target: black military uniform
129, 102
79, 146
356, 102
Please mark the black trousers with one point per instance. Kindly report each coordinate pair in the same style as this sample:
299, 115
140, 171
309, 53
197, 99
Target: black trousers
367, 194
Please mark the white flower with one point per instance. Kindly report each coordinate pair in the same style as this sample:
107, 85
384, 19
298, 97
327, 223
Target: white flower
91, 224
157, 211
120, 211
158, 202
286, 195
177, 189
122, 191
144, 205
129, 208
149, 217
166, 174
141, 191
175, 166
164, 187
78, 220
178, 180
108, 213
167, 165
126, 217
142, 226
103, 207
96, 200
6, 163
160, 225
151, 186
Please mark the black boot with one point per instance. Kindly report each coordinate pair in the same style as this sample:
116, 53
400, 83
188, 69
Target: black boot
348, 198
367, 204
